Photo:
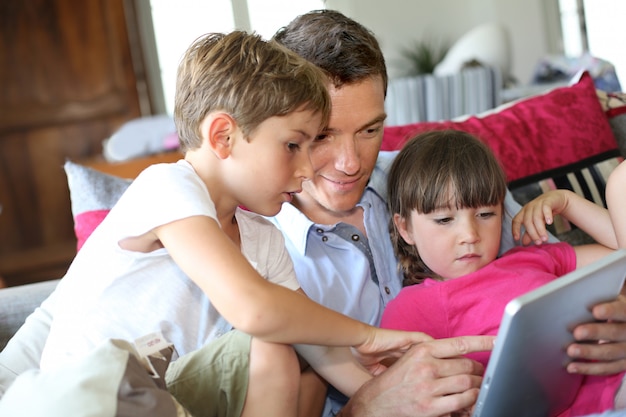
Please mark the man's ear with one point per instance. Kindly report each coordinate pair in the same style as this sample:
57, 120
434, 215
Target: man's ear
218, 131
401, 225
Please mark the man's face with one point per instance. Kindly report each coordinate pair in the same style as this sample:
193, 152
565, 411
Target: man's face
344, 156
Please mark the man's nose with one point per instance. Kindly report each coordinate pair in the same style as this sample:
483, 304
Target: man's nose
347, 155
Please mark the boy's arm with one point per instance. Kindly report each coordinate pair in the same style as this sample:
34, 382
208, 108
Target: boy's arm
260, 308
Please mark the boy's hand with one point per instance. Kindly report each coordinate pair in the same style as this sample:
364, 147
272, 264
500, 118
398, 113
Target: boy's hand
536, 214
385, 347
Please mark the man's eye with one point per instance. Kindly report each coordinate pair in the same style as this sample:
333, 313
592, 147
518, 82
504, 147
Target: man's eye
371, 132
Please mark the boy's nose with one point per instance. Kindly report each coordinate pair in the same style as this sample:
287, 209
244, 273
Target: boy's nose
304, 168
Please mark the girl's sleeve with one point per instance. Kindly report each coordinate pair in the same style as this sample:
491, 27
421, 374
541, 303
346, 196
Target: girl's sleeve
564, 257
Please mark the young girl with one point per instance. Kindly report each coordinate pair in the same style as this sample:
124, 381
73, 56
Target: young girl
446, 193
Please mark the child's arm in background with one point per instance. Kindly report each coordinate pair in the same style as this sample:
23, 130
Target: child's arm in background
616, 202
588, 216
339, 367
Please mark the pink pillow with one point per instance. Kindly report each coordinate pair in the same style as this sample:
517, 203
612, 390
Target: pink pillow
544, 132
85, 223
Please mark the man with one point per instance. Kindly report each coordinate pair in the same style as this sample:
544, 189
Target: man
336, 231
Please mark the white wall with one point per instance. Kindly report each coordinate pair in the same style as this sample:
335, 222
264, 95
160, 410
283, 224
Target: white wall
398, 22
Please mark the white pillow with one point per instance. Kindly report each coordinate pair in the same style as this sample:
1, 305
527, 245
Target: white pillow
108, 382
489, 44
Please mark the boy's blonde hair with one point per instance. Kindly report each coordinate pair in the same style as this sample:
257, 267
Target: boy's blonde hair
247, 77
440, 169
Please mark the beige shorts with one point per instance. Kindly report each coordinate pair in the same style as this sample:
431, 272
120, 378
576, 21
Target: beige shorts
213, 381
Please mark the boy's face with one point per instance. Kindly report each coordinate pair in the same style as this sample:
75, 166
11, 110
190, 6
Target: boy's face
270, 167
454, 242
345, 155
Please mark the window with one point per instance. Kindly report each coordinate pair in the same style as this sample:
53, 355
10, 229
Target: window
177, 24
590, 26
573, 26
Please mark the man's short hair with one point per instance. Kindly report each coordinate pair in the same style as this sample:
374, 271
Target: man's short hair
345, 49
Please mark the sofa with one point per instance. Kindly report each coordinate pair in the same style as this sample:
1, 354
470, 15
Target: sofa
570, 137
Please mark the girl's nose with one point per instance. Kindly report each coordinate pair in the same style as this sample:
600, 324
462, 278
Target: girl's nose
469, 233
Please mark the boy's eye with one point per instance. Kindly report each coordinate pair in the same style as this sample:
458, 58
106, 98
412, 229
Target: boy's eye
486, 214
443, 220
293, 146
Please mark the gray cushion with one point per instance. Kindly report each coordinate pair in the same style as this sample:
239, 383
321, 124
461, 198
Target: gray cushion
17, 303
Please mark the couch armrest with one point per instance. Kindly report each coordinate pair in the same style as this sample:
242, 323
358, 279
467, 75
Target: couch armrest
17, 303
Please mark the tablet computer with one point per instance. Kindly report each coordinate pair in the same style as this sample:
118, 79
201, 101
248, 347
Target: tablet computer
526, 373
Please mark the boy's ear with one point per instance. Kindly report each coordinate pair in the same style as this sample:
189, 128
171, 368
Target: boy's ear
401, 224
218, 132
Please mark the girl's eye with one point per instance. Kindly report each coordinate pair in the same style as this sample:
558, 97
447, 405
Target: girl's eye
444, 220
293, 146
486, 214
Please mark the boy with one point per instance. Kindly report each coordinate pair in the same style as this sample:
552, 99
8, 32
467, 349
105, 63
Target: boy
177, 256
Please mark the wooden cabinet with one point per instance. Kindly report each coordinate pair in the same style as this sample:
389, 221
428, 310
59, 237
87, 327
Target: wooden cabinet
131, 168
70, 75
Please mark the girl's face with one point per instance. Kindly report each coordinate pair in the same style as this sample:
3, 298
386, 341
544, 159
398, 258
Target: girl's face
454, 242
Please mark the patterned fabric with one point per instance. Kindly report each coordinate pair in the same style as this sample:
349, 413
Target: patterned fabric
533, 135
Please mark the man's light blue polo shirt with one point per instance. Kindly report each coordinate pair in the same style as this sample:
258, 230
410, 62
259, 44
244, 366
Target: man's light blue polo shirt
329, 268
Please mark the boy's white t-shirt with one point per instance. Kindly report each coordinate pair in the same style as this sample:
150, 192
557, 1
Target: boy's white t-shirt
110, 293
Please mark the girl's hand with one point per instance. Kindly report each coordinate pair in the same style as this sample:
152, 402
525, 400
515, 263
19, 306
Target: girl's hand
536, 214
